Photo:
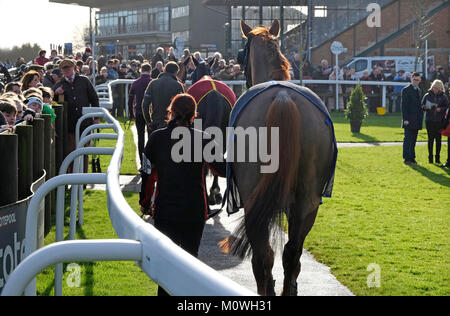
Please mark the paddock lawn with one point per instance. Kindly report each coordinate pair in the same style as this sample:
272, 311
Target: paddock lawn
389, 214
375, 128
382, 213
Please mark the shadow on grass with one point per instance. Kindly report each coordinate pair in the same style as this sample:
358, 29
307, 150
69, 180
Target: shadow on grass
365, 138
435, 177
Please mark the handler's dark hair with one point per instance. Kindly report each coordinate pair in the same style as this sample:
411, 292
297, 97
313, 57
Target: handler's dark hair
172, 67
182, 109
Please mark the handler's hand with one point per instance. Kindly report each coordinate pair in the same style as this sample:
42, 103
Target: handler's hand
59, 91
406, 123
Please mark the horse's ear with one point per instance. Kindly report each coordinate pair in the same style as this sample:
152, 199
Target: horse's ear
245, 29
275, 29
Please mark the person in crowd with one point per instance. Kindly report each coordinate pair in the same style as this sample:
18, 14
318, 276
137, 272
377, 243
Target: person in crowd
226, 74
16, 99
7, 76
3, 123
435, 104
159, 56
158, 95
14, 86
157, 70
53, 55
412, 115
79, 92
123, 69
9, 111
133, 72
34, 103
102, 77
336, 74
198, 56
85, 71
171, 56
216, 64
135, 97
30, 80
439, 74
295, 63
87, 53
47, 98
400, 77
180, 209
375, 95
41, 59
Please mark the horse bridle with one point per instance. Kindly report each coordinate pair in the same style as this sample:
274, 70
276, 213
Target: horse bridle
245, 63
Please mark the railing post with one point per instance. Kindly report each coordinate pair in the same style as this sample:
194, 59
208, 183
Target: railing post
25, 156
8, 169
47, 166
38, 148
59, 135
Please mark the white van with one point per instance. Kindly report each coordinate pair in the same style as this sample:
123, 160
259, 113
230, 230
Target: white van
387, 63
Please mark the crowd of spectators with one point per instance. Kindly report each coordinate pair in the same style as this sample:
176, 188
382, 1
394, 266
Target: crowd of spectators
43, 71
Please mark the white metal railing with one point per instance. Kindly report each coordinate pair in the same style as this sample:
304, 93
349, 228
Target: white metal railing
168, 265
106, 97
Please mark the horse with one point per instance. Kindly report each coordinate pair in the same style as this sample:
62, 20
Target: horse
307, 160
215, 101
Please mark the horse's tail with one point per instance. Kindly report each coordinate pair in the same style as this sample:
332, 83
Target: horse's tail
271, 195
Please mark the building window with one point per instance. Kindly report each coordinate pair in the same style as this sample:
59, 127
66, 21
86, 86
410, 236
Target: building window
320, 11
133, 21
180, 12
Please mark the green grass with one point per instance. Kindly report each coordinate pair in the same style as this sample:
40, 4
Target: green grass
129, 156
101, 278
386, 213
382, 212
374, 129
98, 278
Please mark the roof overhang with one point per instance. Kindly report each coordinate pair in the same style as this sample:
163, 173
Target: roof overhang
101, 3
255, 2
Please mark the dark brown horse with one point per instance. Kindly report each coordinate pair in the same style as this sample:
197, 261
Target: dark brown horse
307, 155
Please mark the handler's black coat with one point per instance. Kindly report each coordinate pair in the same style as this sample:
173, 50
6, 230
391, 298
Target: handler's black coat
412, 108
79, 94
181, 193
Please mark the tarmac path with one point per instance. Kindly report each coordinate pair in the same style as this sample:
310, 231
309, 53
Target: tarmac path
315, 278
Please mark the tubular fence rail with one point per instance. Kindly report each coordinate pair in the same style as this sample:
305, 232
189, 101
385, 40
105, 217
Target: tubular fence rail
165, 263
105, 91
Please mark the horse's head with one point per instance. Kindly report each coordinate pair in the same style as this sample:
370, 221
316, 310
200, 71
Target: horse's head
263, 60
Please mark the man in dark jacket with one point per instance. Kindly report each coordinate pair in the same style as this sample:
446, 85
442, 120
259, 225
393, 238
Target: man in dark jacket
158, 96
78, 92
135, 97
412, 113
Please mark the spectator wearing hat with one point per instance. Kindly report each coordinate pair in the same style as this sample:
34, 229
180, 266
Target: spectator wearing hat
41, 60
79, 92
133, 72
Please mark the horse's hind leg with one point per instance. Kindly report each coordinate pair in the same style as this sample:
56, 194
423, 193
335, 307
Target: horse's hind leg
299, 228
262, 263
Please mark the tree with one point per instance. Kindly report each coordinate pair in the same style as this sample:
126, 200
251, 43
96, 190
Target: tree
421, 31
28, 51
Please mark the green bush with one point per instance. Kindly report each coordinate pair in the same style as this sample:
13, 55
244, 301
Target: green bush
356, 107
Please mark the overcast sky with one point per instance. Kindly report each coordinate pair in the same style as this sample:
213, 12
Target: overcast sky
41, 22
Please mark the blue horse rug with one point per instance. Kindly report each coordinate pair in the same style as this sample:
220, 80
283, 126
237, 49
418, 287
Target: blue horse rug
232, 194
